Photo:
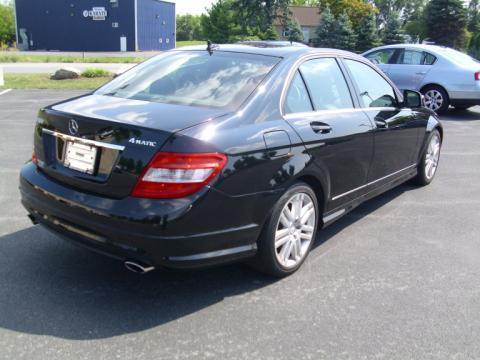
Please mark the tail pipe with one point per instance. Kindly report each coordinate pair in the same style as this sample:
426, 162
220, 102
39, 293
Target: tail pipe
137, 267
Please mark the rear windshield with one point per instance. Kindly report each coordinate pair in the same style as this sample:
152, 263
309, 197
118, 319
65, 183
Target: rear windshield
221, 80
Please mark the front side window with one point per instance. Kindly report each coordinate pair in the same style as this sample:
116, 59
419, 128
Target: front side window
381, 56
326, 83
297, 99
374, 90
221, 80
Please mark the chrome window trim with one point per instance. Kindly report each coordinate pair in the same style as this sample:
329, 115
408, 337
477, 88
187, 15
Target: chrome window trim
83, 141
333, 111
372, 182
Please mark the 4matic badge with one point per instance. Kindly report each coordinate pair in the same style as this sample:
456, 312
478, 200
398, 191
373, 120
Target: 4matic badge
142, 142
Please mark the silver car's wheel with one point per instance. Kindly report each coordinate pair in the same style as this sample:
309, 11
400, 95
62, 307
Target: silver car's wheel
295, 230
432, 156
434, 99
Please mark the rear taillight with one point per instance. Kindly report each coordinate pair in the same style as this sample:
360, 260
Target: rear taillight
477, 76
34, 158
175, 175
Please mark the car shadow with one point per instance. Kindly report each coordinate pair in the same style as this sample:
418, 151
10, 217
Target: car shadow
49, 287
461, 115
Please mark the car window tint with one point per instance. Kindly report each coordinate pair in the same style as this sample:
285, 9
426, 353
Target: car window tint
326, 84
297, 97
429, 59
411, 57
374, 90
221, 79
381, 56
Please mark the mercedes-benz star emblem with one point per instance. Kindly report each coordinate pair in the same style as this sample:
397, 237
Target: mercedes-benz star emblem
73, 127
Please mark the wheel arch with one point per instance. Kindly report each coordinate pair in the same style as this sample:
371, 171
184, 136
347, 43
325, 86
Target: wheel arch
318, 188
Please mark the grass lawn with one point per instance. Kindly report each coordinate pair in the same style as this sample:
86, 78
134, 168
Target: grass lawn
13, 58
42, 81
188, 43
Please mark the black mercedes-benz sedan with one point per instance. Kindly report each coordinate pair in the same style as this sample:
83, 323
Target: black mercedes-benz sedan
202, 156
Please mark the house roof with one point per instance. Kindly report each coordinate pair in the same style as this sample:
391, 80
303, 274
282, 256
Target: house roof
305, 15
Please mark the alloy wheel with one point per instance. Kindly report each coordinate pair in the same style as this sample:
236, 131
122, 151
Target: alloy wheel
432, 156
294, 231
433, 99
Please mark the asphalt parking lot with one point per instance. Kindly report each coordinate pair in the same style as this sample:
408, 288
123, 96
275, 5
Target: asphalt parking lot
398, 278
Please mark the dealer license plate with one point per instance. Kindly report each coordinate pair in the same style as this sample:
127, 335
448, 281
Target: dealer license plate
80, 157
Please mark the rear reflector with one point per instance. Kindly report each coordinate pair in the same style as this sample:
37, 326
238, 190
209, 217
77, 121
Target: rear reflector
175, 175
477, 75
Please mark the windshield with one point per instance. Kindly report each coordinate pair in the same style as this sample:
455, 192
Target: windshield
220, 80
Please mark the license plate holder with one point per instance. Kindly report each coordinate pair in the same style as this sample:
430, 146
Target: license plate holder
80, 157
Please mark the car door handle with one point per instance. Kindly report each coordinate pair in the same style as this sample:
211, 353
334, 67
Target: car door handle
381, 123
320, 127
421, 73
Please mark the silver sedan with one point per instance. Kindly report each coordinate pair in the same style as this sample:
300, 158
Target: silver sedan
443, 75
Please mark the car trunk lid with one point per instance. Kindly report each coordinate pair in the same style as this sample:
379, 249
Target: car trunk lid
100, 144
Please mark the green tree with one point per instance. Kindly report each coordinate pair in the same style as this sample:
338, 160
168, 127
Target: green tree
293, 31
219, 24
257, 17
368, 34
7, 24
326, 30
189, 27
393, 33
446, 22
388, 8
473, 16
355, 9
345, 37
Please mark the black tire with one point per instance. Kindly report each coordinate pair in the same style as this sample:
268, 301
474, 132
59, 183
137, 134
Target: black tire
445, 100
266, 259
422, 179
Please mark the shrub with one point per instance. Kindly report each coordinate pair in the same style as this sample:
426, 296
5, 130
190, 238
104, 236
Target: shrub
95, 72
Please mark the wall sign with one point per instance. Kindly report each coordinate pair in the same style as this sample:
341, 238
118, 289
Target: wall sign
97, 13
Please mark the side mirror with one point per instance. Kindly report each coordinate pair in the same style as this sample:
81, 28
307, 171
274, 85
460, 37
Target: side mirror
412, 99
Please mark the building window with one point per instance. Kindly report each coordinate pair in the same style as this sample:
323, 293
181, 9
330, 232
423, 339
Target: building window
114, 3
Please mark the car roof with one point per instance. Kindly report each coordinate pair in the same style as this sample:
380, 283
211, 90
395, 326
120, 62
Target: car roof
278, 51
427, 47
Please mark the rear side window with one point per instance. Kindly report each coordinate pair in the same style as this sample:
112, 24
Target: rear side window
381, 56
220, 80
374, 90
326, 84
297, 99
411, 57
429, 59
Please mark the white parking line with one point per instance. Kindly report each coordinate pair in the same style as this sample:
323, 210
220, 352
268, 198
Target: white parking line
5, 91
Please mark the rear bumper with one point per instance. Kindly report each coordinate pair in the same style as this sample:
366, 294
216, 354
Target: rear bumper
464, 98
205, 229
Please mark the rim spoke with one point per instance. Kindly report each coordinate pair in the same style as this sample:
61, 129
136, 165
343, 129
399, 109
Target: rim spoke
281, 237
286, 251
297, 206
307, 228
307, 216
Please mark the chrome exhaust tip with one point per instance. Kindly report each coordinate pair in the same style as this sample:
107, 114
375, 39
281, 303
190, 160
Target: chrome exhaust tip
138, 268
